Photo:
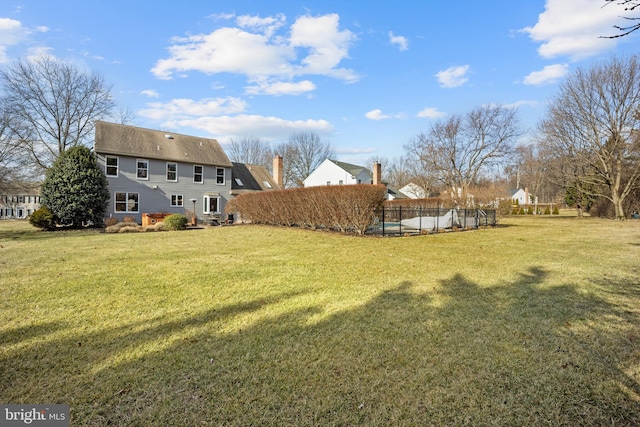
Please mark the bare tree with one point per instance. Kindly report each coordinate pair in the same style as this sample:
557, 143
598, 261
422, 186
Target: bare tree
629, 6
15, 168
456, 151
53, 106
302, 154
593, 124
250, 150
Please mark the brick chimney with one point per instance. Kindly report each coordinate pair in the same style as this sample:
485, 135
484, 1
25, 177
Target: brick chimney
278, 174
377, 173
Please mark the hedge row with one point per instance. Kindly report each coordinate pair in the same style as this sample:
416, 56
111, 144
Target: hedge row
432, 202
347, 208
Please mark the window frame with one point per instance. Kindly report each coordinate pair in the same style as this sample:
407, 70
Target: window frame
200, 174
138, 169
107, 166
168, 171
206, 207
126, 201
220, 179
177, 200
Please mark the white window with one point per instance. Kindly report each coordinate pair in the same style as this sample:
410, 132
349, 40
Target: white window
197, 174
112, 165
176, 200
172, 172
142, 169
126, 202
211, 204
220, 176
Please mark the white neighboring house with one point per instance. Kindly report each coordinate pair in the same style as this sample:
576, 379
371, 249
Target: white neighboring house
20, 202
523, 197
333, 172
413, 191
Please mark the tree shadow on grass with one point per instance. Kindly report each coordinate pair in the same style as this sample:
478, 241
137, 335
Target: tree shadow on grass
524, 353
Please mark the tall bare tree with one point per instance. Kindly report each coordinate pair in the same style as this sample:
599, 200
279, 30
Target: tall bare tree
250, 150
629, 6
593, 122
15, 168
302, 154
458, 150
53, 105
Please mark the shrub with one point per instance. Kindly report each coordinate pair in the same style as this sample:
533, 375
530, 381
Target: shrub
128, 219
110, 222
347, 208
175, 222
530, 210
521, 211
43, 219
547, 211
556, 211
75, 188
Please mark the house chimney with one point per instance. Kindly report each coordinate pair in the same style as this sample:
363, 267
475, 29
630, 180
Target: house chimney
377, 173
278, 175
526, 196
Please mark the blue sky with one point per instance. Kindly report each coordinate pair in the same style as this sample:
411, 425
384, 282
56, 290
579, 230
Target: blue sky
365, 76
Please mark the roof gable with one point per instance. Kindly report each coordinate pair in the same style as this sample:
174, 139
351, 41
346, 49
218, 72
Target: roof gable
116, 139
352, 169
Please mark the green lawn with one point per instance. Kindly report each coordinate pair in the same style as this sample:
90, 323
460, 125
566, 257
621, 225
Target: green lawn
535, 322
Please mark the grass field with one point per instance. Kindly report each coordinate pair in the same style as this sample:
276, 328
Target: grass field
535, 322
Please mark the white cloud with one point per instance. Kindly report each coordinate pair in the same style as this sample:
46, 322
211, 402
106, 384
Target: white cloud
268, 127
256, 52
222, 118
573, 28
549, 74
431, 113
518, 104
402, 42
188, 108
151, 93
327, 45
11, 33
281, 88
376, 115
453, 76
267, 26
226, 50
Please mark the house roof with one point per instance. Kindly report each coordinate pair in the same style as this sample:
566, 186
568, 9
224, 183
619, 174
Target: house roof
247, 178
116, 139
352, 169
396, 193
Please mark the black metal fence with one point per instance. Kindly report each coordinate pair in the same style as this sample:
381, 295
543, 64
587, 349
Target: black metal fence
418, 220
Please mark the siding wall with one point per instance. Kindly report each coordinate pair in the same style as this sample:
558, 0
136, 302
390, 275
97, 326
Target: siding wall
154, 193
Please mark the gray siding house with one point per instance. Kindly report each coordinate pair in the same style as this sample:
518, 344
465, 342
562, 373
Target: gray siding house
151, 172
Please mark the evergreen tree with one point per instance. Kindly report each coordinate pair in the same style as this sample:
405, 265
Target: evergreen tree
75, 189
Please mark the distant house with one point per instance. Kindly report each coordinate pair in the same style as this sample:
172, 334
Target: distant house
523, 197
413, 191
20, 201
151, 171
333, 172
